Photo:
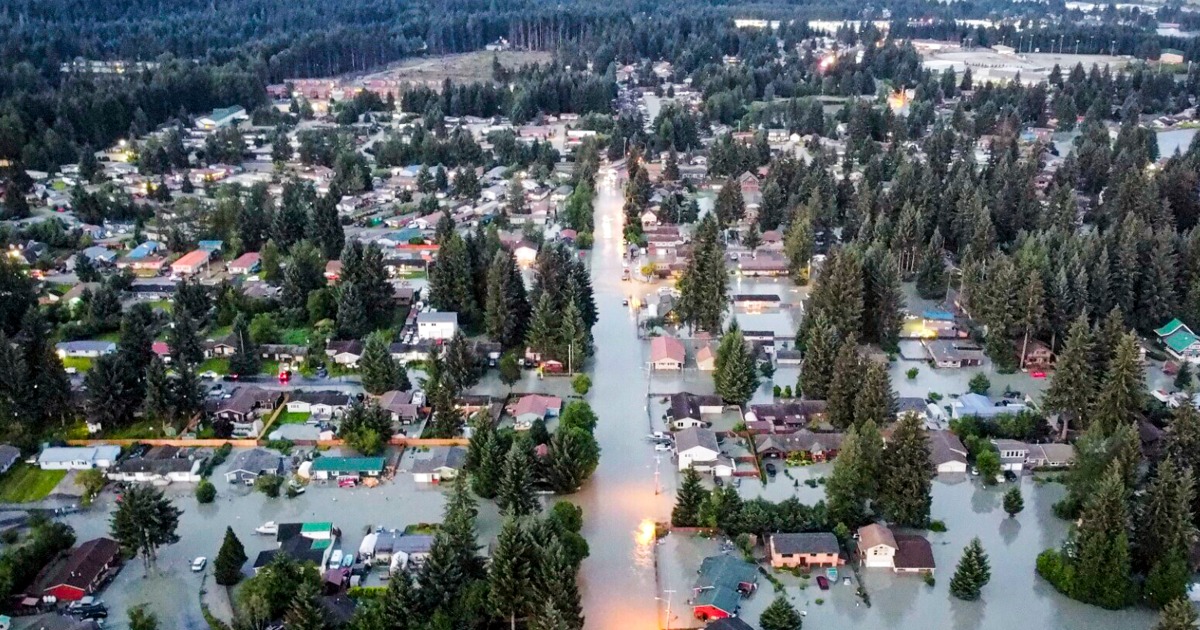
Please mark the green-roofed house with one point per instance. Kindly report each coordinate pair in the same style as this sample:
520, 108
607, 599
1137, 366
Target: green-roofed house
1179, 341
347, 467
222, 117
722, 582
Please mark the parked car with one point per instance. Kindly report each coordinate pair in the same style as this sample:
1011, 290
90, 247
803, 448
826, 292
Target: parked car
662, 447
198, 564
209, 375
771, 470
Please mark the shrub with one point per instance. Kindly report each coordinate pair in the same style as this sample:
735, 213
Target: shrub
777, 390
937, 526
819, 601
934, 396
912, 373
1054, 568
582, 383
929, 579
268, 485
787, 391
979, 384
206, 492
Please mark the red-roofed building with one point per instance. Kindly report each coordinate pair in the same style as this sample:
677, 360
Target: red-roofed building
667, 353
191, 263
245, 264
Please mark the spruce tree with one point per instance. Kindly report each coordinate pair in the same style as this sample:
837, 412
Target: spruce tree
1102, 560
972, 574
1072, 385
780, 615
846, 494
400, 602
703, 287
450, 280
688, 499
1164, 518
1183, 378
1120, 395
906, 474
1013, 502
575, 335
875, 401
507, 305
227, 568
183, 339
158, 401
447, 419
245, 360
485, 457
883, 299
730, 206
557, 582
753, 238
734, 374
1179, 614
820, 350
380, 372
515, 493
846, 386
305, 612
511, 572
542, 336
352, 319
325, 227
461, 369
670, 170
931, 271
798, 244
574, 455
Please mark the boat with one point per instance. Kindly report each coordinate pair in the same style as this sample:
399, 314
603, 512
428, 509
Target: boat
832, 574
347, 561
270, 528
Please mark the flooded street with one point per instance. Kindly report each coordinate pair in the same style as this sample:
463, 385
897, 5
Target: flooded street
617, 580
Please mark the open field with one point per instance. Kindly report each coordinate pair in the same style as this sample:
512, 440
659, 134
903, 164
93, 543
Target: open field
459, 68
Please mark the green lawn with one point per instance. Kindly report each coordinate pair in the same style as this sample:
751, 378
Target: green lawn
269, 367
293, 417
81, 364
165, 305
294, 336
215, 364
109, 336
24, 483
138, 430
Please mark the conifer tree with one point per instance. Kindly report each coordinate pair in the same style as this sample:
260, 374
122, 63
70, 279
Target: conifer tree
305, 612
820, 351
400, 602
875, 400
688, 500
1102, 556
325, 227
557, 584
972, 574
1179, 614
1013, 502
447, 419
1072, 385
450, 280
845, 386
1164, 532
575, 335
883, 299
753, 238
485, 456
703, 290
227, 568
158, 402
574, 455
907, 480
846, 489
734, 373
380, 372
671, 168
798, 243
780, 615
931, 271
506, 305
245, 359
183, 339
515, 493
1119, 400
462, 371
512, 571
730, 206
542, 336
352, 319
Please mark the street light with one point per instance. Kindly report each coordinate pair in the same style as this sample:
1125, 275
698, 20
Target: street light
667, 599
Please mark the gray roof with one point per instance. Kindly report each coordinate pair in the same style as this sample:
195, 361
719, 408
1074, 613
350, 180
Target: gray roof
441, 457
255, 460
816, 542
86, 345
438, 317
333, 398
9, 454
693, 437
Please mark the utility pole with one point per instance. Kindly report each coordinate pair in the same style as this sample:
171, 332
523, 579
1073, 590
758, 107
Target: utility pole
657, 487
668, 593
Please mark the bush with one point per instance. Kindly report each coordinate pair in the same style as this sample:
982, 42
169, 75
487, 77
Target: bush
268, 485
1054, 568
206, 492
582, 383
979, 384
929, 578
937, 526
912, 373
787, 391
777, 391
935, 397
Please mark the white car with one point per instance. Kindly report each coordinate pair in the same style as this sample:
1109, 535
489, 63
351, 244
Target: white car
209, 375
198, 564
663, 447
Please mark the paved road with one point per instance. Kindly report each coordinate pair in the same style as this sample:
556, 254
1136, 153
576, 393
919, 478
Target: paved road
617, 580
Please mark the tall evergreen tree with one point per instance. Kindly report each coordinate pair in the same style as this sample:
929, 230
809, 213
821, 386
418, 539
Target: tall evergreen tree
973, 572
460, 362
820, 351
1119, 400
507, 308
688, 499
780, 615
883, 299
734, 369
1180, 614
450, 284
512, 572
542, 336
1013, 502
1072, 385
1102, 556
515, 494
485, 458
227, 568
730, 206
1164, 531
305, 612
380, 372
352, 319
875, 401
931, 271
183, 339
325, 228
703, 292
845, 386
906, 477
575, 335
798, 246
847, 490
245, 359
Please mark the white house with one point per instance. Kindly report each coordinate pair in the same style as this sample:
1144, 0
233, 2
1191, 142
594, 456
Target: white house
78, 457
325, 404
85, 348
437, 326
697, 448
876, 546
1012, 454
157, 471
443, 463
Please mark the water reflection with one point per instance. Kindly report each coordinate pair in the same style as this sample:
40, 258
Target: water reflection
643, 551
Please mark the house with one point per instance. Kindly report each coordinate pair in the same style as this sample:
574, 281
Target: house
400, 551
756, 302
687, 410
160, 465
729, 623
788, 416
722, 582
1038, 356
1170, 56
697, 448
345, 353
706, 360
763, 265
1179, 341
666, 353
9, 455
817, 447
222, 117
953, 353
244, 404
880, 547
78, 457
246, 466
816, 549
346, 467
326, 404
437, 326
982, 407
533, 407
947, 452
191, 263
82, 571
245, 264
84, 349
399, 405
305, 542
441, 463
1012, 454
1048, 455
